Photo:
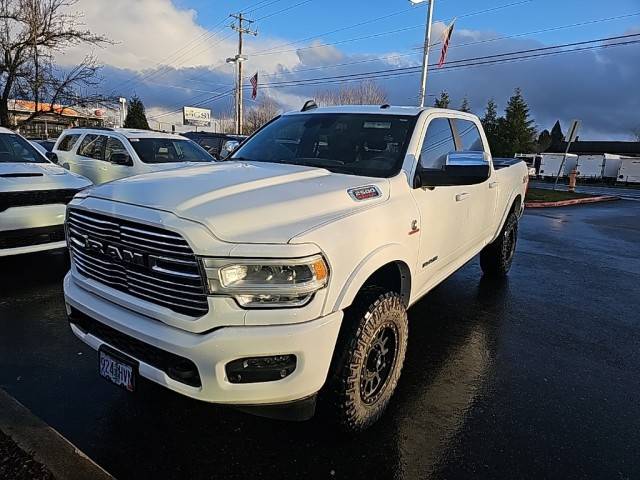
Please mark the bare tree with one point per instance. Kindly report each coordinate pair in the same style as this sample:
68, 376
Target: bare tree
226, 118
32, 32
265, 110
364, 93
636, 133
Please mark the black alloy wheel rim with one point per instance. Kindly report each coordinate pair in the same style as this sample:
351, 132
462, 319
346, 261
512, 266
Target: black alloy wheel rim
510, 242
379, 361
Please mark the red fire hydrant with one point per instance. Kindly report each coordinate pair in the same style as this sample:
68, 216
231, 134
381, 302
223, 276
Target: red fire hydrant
572, 180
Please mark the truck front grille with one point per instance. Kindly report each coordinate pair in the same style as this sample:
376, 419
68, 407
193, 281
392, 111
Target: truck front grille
36, 197
147, 262
31, 236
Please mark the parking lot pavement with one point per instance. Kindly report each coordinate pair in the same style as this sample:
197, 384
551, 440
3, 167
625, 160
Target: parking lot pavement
625, 193
533, 377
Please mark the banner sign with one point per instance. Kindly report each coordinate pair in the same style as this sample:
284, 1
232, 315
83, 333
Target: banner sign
198, 117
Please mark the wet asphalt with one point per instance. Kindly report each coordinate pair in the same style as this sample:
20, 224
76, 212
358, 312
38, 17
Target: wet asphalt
532, 377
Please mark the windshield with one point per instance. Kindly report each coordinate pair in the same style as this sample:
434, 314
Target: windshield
371, 145
168, 150
14, 148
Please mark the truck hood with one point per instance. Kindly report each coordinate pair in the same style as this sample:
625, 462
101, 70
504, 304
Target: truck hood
21, 176
247, 202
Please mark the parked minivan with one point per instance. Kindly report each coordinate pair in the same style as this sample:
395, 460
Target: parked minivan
106, 154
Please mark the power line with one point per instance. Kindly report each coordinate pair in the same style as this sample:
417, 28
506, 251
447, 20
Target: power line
452, 46
138, 76
507, 57
303, 2
379, 34
255, 7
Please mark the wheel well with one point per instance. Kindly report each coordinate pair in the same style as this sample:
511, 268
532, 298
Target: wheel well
515, 206
395, 277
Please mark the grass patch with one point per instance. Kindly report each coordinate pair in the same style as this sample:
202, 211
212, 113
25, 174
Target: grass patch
543, 195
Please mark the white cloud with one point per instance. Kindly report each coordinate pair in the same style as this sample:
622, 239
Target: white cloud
600, 87
148, 32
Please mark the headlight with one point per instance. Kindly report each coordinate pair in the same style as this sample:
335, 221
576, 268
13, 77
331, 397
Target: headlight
256, 283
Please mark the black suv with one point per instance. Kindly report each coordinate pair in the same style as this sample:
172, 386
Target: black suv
214, 143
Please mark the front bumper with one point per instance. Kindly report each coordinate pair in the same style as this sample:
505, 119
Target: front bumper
312, 342
32, 228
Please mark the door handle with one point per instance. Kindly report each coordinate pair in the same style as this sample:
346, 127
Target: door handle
493, 184
462, 196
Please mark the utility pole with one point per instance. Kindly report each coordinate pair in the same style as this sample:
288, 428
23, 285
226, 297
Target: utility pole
427, 43
238, 59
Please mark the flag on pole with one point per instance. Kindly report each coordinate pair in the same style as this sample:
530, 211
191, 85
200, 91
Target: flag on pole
254, 84
446, 37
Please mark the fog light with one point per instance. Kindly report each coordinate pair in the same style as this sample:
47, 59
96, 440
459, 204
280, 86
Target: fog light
260, 369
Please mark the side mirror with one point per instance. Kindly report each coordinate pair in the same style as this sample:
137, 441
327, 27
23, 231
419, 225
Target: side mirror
52, 157
460, 168
120, 158
229, 147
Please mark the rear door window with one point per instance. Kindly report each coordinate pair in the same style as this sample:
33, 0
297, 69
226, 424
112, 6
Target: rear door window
68, 141
92, 146
113, 146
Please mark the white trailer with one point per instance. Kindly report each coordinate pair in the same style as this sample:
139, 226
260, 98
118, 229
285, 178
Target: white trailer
629, 170
532, 160
590, 166
550, 164
612, 165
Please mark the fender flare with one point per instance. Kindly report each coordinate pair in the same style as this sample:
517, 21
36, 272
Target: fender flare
381, 256
512, 199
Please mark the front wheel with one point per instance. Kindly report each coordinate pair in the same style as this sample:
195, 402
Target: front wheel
497, 257
368, 359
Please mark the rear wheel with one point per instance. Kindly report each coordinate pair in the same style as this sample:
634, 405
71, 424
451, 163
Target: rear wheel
368, 359
497, 257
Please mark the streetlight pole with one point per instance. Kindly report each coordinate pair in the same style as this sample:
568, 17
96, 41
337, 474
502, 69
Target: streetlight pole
425, 58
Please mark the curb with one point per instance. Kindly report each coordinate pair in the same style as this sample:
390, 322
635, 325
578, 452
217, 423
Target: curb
576, 201
64, 460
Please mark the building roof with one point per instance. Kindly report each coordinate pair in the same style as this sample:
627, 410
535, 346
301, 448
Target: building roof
29, 106
600, 147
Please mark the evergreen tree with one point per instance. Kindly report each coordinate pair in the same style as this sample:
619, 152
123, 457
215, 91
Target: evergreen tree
544, 141
443, 100
465, 106
136, 117
519, 132
490, 123
557, 137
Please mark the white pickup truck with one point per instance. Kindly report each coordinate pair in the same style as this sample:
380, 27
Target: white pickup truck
284, 275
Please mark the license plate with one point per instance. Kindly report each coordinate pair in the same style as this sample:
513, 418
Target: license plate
116, 370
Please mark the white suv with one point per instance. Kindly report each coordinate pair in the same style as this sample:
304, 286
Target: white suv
106, 154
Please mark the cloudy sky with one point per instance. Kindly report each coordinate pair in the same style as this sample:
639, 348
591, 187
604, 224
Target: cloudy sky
172, 53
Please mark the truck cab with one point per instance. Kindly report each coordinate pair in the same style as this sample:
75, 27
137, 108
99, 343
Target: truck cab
284, 274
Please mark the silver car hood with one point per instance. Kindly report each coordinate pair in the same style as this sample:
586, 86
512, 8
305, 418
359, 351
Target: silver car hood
22, 176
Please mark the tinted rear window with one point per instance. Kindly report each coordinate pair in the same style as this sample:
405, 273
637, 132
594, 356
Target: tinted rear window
169, 150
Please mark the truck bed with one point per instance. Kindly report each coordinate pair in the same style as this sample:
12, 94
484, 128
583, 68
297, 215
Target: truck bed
499, 163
